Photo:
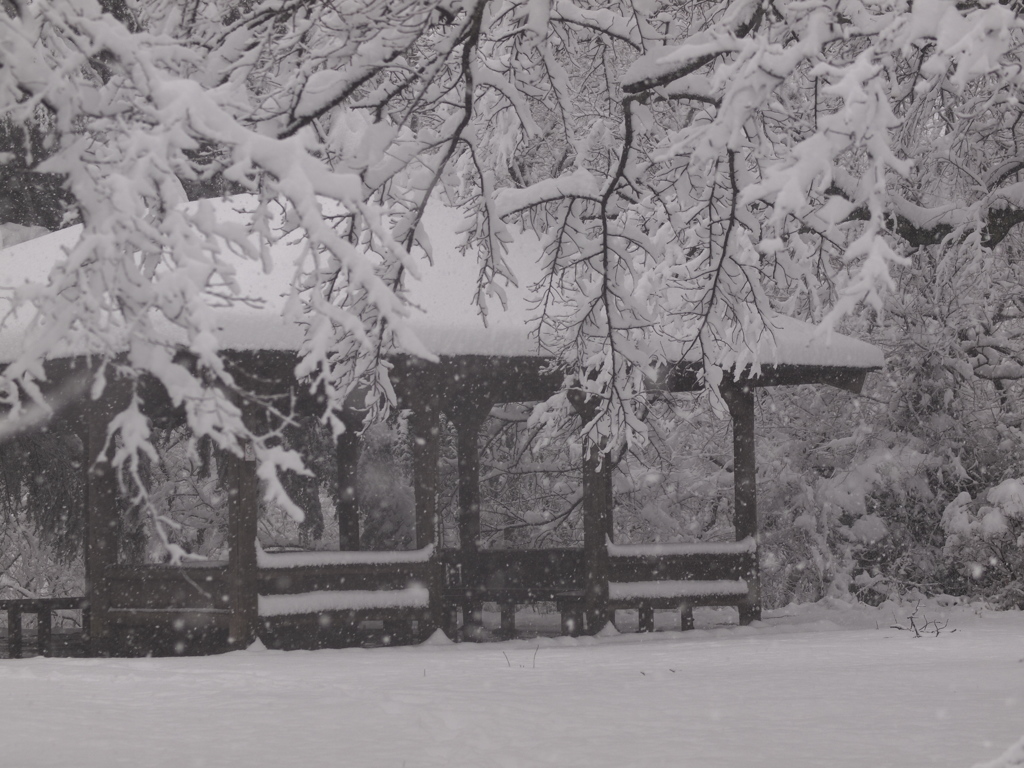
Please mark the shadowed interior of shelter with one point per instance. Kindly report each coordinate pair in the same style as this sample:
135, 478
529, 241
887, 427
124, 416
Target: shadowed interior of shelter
425, 580
311, 599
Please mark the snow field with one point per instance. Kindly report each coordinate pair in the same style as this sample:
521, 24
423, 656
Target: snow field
811, 686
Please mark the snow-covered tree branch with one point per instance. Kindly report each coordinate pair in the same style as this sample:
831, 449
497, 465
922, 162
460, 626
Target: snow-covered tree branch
688, 167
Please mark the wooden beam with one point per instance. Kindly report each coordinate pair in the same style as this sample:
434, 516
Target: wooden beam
508, 379
739, 397
685, 377
242, 484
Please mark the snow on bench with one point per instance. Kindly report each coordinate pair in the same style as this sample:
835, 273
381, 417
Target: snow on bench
305, 559
654, 590
697, 548
415, 596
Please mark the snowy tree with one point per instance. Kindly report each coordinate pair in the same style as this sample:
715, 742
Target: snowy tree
690, 167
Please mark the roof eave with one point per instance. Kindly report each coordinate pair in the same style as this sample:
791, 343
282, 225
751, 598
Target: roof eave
685, 376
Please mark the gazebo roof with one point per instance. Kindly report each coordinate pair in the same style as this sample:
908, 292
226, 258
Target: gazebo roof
442, 311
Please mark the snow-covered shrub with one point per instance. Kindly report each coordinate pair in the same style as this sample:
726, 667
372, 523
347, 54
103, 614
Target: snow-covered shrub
985, 539
849, 496
813, 494
950, 397
852, 489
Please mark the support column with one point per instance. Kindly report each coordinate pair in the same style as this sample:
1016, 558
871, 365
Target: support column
346, 453
101, 513
508, 621
243, 505
468, 416
14, 633
425, 428
467, 413
740, 401
645, 617
44, 629
597, 522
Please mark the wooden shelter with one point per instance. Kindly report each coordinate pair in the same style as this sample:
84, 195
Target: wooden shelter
315, 599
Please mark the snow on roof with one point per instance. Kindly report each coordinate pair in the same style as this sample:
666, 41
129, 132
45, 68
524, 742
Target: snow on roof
449, 323
443, 314
442, 310
788, 341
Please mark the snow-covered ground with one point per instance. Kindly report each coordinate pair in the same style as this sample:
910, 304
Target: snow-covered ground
814, 686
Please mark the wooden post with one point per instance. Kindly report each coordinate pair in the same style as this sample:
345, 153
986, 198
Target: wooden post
740, 400
468, 416
397, 631
425, 429
346, 454
44, 618
101, 513
14, 635
572, 620
508, 621
468, 412
442, 614
686, 617
597, 522
645, 617
242, 486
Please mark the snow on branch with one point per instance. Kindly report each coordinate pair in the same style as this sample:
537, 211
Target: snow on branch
679, 176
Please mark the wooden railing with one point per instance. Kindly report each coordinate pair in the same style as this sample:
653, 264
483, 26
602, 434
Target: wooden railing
682, 576
513, 576
319, 593
43, 608
293, 580
163, 609
190, 587
680, 566
325, 595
